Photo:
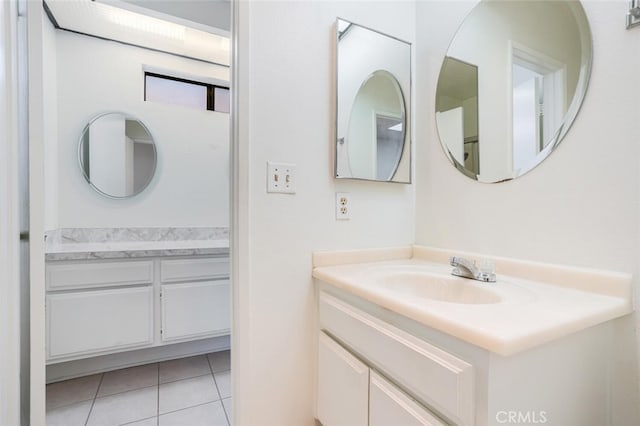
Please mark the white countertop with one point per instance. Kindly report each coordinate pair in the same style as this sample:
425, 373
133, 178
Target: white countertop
540, 302
84, 247
113, 243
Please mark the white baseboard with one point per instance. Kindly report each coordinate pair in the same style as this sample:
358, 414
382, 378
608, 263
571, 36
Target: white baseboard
83, 367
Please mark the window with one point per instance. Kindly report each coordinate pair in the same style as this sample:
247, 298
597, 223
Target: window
179, 91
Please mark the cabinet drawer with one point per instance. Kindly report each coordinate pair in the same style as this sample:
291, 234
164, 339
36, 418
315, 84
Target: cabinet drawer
199, 309
432, 375
88, 322
193, 269
388, 405
99, 274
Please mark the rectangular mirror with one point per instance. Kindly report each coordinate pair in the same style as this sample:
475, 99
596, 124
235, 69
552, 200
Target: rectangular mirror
373, 130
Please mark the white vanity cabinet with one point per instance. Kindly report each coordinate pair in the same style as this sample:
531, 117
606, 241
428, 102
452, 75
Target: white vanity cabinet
438, 379
544, 344
420, 376
101, 307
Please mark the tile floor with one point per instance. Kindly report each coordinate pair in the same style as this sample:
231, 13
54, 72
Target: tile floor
183, 392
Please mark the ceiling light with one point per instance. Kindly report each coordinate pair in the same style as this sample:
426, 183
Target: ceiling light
147, 24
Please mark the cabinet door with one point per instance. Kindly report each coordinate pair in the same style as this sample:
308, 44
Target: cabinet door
193, 310
343, 386
388, 405
87, 322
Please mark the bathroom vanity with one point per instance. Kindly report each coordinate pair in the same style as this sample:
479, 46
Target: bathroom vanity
402, 341
129, 299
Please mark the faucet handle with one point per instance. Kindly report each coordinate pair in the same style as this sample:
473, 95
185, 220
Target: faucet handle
487, 270
487, 266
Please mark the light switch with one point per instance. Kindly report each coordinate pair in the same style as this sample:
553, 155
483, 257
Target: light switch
281, 177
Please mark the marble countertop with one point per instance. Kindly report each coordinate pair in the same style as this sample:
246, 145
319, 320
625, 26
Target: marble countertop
112, 243
539, 302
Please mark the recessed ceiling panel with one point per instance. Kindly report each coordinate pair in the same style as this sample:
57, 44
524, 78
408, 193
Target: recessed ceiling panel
158, 32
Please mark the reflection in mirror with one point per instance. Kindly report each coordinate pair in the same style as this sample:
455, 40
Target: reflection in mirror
457, 113
117, 155
372, 120
377, 115
492, 131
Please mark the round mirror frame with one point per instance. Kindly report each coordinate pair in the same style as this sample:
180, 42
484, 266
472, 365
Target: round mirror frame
572, 108
81, 162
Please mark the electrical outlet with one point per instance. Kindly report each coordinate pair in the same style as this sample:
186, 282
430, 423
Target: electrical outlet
343, 206
281, 177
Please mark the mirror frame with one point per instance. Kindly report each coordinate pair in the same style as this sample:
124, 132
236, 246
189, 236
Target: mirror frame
405, 99
81, 150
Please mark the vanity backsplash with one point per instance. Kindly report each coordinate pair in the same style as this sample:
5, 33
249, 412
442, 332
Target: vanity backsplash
108, 243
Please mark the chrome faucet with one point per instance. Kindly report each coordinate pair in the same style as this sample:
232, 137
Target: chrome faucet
466, 268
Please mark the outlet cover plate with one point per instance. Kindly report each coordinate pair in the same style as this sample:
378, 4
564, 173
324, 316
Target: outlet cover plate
343, 206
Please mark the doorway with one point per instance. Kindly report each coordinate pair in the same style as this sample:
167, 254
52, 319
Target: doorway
538, 102
56, 139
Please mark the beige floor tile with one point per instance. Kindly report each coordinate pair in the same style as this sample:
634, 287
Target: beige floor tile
223, 380
226, 403
72, 391
128, 379
124, 407
211, 414
183, 368
152, 421
187, 393
69, 415
220, 361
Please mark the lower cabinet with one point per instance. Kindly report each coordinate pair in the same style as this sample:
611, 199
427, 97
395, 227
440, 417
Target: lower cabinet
195, 309
81, 322
100, 307
350, 393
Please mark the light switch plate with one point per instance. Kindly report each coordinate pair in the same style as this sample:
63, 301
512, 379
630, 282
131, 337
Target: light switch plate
281, 177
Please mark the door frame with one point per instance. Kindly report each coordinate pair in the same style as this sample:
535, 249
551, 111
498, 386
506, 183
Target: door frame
10, 309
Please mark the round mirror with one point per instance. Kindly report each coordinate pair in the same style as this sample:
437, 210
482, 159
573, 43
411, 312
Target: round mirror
511, 85
117, 155
376, 132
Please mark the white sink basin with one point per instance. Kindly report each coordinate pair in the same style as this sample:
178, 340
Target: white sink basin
434, 284
442, 288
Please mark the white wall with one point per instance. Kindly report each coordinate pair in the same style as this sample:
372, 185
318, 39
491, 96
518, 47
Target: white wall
580, 207
286, 91
191, 184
